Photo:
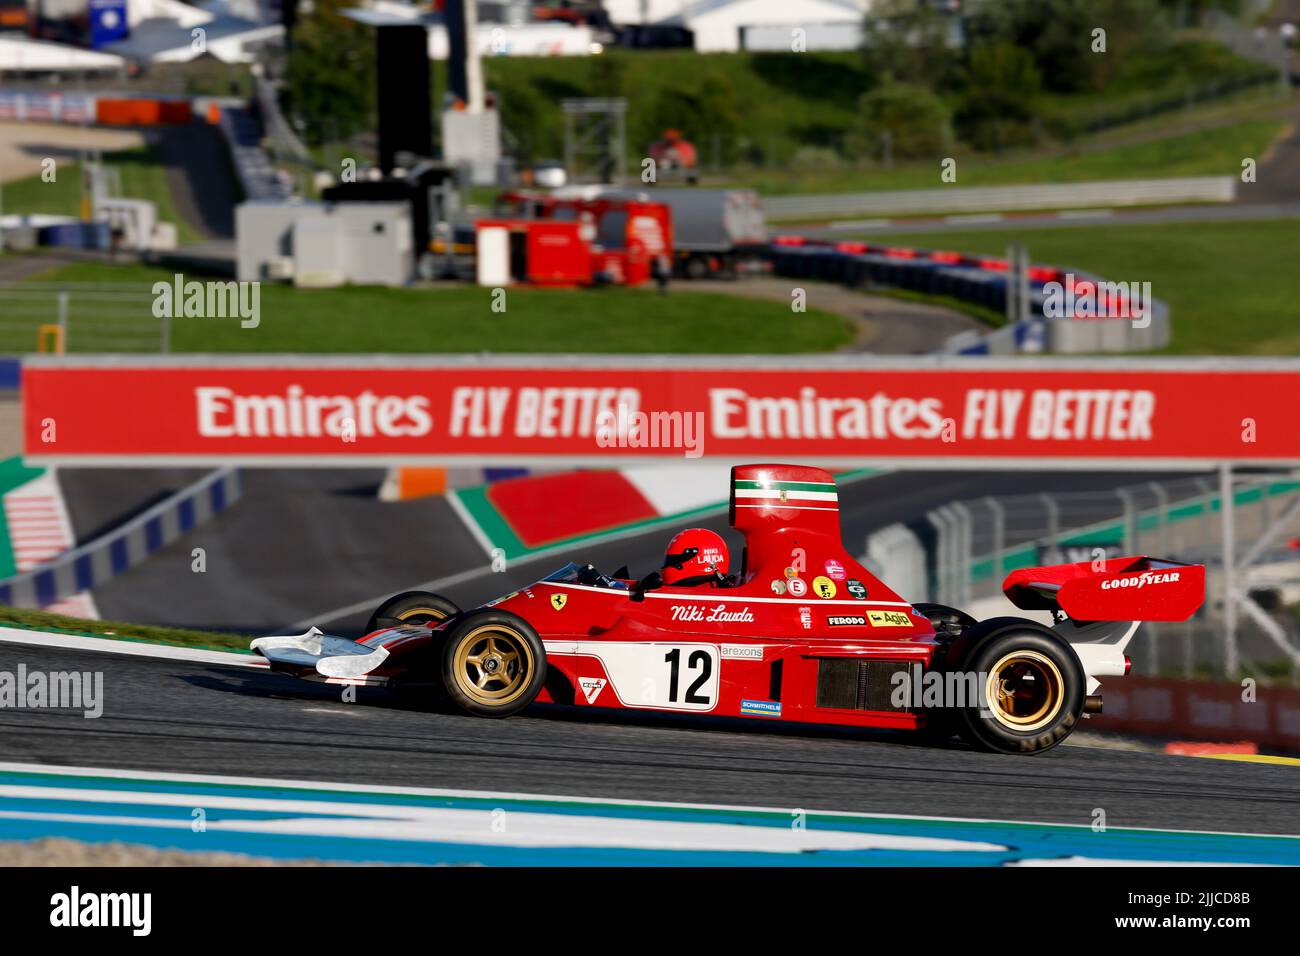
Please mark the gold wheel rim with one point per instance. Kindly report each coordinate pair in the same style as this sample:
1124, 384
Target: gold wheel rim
428, 613
1024, 690
493, 664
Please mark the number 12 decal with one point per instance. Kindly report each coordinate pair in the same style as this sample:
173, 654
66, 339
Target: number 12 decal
700, 661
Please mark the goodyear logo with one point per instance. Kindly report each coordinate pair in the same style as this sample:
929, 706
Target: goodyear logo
889, 619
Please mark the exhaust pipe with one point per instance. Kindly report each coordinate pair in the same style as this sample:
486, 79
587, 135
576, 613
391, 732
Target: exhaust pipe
1092, 704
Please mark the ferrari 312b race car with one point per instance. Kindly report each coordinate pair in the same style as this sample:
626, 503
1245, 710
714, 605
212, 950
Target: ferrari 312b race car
801, 632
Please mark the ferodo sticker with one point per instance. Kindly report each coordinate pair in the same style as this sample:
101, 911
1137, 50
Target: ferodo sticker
742, 652
888, 619
846, 620
824, 587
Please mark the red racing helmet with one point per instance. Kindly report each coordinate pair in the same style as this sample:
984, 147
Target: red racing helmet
693, 553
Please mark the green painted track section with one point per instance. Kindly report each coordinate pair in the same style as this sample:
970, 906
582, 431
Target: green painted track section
13, 474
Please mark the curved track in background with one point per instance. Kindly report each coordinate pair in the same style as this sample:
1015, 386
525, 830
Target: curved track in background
304, 542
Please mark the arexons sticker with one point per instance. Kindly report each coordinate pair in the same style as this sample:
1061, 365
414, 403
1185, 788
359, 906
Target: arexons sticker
742, 652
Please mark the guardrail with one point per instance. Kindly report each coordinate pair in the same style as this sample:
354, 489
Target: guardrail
985, 281
960, 199
87, 567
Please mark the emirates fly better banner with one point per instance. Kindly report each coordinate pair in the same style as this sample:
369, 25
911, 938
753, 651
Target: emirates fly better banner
920, 410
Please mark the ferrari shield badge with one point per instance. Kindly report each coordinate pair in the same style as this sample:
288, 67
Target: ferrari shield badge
559, 600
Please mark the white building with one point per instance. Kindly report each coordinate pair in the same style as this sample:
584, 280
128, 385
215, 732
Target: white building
722, 26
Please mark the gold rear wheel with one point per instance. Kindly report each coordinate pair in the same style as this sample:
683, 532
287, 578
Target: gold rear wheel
1024, 690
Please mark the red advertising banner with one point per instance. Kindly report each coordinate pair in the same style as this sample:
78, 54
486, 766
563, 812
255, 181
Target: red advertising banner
289, 409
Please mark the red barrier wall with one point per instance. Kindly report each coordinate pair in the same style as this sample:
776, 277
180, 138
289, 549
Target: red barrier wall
1199, 710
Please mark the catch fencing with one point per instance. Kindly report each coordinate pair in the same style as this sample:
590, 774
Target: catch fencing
81, 317
960, 553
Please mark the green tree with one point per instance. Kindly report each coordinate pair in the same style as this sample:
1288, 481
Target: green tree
902, 120
999, 106
1059, 36
907, 41
331, 74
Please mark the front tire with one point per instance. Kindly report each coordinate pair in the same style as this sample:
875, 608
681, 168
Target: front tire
411, 608
1032, 689
493, 663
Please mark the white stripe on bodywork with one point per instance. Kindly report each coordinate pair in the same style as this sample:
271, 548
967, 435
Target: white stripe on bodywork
779, 495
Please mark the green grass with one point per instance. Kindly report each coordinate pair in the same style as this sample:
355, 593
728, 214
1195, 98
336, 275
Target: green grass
177, 636
757, 111
1210, 152
1232, 286
460, 319
143, 176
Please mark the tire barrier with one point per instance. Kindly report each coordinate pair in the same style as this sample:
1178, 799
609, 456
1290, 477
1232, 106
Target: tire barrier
87, 567
980, 280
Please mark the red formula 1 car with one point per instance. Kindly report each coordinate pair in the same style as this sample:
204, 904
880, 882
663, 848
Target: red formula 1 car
801, 632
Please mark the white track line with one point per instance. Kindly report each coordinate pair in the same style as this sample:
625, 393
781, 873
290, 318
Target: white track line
108, 645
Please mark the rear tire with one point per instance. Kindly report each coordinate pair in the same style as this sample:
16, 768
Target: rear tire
1032, 686
493, 663
411, 608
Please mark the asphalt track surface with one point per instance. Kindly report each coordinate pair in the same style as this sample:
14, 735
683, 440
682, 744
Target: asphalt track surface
182, 716
302, 543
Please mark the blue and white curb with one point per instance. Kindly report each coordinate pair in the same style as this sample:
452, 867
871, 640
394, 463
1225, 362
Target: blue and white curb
347, 823
84, 568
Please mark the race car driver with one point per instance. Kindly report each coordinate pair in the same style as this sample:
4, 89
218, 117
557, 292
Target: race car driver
695, 556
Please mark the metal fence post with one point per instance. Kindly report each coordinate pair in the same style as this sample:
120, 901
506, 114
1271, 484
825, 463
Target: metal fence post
1053, 523
1130, 520
1226, 507
1162, 515
962, 556
63, 319
999, 534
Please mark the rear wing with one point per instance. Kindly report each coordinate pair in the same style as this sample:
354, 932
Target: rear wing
1117, 589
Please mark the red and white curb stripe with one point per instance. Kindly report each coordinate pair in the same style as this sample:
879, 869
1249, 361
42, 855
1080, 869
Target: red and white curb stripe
39, 531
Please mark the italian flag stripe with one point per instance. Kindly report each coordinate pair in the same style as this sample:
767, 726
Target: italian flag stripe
822, 486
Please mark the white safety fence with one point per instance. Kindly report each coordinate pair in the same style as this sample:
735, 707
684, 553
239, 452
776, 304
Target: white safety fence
966, 548
962, 199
